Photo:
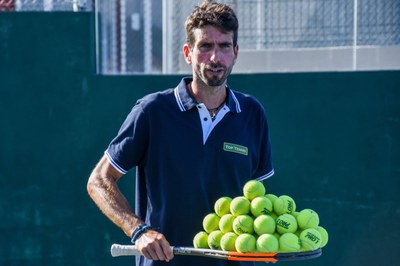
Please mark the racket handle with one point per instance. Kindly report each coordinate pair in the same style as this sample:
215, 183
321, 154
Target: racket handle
124, 250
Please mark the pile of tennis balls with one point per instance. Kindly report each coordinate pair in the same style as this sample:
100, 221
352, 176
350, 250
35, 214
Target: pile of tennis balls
259, 222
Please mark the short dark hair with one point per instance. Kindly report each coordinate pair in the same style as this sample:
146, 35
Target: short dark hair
211, 13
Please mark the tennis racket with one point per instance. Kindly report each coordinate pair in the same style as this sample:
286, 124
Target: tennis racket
130, 250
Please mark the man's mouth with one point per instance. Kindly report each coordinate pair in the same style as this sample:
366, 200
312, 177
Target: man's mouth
216, 70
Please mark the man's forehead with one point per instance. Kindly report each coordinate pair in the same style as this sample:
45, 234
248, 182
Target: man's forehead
211, 33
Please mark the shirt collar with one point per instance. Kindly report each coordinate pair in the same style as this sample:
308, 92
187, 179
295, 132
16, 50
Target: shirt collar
186, 102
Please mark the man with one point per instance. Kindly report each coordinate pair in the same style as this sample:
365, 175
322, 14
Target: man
190, 145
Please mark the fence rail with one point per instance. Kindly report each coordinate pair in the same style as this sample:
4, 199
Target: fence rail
146, 36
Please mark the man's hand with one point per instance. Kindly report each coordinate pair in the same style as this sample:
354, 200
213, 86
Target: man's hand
154, 246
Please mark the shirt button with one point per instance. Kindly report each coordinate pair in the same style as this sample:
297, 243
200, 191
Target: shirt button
199, 106
205, 118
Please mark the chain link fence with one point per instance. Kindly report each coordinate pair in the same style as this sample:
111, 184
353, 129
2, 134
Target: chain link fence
378, 22
46, 5
129, 36
265, 26
146, 36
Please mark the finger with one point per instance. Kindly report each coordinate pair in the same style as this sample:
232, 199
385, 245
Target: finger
162, 250
167, 250
152, 253
160, 254
154, 246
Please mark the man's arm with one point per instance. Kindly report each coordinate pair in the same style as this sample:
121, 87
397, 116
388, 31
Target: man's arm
102, 188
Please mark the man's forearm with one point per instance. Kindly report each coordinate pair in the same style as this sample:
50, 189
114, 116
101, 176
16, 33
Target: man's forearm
107, 196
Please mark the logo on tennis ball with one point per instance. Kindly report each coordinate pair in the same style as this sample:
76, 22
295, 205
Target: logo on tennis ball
283, 223
240, 230
243, 224
312, 237
290, 206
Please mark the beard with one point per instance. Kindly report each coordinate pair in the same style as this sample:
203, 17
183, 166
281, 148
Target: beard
214, 79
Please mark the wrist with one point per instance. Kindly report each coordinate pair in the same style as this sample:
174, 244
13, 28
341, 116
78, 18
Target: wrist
140, 230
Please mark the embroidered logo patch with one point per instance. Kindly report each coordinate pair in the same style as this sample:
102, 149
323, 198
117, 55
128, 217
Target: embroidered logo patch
230, 147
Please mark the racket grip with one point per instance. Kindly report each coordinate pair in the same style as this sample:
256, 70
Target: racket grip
124, 250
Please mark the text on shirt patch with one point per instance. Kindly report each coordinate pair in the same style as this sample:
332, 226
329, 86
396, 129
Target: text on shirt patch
230, 147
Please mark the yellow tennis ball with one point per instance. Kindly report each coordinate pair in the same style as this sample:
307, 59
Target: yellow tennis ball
264, 224
324, 236
222, 206
200, 240
243, 224
307, 218
284, 204
214, 239
267, 243
273, 215
245, 243
253, 189
240, 205
228, 241
260, 205
226, 223
271, 197
310, 239
289, 242
286, 223
211, 222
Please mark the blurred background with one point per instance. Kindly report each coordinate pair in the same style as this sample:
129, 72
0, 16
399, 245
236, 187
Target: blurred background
327, 72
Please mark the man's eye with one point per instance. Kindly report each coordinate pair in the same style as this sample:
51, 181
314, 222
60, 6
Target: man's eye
205, 45
226, 45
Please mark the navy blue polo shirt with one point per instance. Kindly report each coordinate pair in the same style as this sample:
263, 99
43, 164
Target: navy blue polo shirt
185, 160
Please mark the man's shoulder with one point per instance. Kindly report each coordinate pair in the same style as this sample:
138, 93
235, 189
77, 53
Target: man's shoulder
157, 95
156, 98
244, 96
247, 100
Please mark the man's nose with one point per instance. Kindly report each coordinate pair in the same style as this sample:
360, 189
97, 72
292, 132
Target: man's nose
215, 55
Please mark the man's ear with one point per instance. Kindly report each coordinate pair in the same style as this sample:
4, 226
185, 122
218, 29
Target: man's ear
236, 52
187, 52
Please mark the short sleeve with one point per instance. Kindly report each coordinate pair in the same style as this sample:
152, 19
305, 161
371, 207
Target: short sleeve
128, 148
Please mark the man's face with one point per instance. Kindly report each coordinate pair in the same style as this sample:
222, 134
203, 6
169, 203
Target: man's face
212, 56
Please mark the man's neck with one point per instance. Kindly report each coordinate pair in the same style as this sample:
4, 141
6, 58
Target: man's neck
212, 97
